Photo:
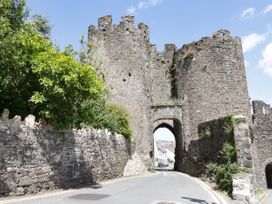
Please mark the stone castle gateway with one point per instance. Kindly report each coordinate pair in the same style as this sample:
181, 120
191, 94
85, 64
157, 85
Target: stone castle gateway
185, 89
191, 91
177, 88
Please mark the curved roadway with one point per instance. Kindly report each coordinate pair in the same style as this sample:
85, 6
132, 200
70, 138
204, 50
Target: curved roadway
159, 188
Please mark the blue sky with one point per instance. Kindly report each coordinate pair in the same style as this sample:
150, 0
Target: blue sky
163, 134
176, 21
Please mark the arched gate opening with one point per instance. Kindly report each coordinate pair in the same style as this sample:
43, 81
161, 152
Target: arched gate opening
164, 148
168, 147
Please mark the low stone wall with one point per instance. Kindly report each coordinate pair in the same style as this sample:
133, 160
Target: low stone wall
243, 189
33, 159
212, 136
205, 149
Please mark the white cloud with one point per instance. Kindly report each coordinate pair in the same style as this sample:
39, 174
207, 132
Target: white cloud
148, 3
267, 9
248, 13
250, 41
131, 10
266, 62
143, 5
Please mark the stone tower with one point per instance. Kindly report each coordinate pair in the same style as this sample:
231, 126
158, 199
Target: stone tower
211, 80
122, 52
177, 88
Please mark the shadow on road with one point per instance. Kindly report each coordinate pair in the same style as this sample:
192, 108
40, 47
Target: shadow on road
163, 169
90, 196
195, 200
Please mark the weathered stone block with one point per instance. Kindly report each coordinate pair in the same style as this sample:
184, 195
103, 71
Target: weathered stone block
20, 191
5, 115
30, 121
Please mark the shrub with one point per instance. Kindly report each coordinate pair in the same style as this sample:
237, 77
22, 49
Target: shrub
111, 116
118, 120
223, 172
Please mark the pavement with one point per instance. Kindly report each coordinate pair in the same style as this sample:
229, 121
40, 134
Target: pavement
165, 187
268, 198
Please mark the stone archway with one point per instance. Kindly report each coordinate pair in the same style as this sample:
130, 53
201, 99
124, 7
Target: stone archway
268, 174
170, 116
175, 127
164, 147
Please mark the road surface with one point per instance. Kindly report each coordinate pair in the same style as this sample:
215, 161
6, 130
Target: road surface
268, 199
159, 188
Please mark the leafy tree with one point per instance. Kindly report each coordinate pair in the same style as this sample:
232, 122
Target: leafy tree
83, 57
41, 24
12, 14
39, 79
14, 57
65, 85
70, 51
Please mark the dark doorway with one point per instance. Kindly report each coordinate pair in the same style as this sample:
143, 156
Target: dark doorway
268, 173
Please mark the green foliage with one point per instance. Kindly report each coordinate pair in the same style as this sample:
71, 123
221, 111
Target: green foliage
111, 116
41, 24
117, 120
64, 85
227, 123
81, 55
206, 133
187, 61
39, 79
223, 172
16, 79
70, 51
12, 14
260, 191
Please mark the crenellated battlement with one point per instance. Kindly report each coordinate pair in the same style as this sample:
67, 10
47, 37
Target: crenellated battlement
217, 37
221, 33
126, 25
105, 23
144, 31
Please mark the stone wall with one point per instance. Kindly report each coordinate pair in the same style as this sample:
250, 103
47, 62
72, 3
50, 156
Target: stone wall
243, 189
206, 148
212, 137
262, 140
34, 159
162, 76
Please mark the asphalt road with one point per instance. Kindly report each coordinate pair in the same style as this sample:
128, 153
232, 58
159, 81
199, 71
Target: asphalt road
160, 188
